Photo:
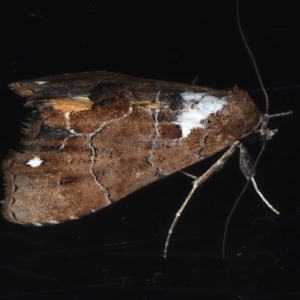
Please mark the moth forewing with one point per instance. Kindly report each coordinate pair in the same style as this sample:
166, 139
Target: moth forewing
97, 137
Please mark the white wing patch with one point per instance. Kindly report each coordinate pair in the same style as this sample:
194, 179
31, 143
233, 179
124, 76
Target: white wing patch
34, 162
198, 106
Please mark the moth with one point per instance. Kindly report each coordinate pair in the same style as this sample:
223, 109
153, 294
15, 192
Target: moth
95, 137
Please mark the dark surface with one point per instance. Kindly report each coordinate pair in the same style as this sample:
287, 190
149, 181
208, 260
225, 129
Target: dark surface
117, 252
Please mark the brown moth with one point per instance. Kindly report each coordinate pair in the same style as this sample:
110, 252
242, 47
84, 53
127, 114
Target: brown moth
96, 137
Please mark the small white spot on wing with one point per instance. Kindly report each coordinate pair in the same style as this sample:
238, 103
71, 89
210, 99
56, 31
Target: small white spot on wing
34, 162
41, 82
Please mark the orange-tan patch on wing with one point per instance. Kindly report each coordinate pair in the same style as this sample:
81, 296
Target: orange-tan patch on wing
72, 104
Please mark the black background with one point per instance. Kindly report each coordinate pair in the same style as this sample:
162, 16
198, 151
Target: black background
116, 253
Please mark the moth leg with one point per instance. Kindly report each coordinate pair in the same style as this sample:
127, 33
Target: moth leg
217, 166
188, 174
247, 168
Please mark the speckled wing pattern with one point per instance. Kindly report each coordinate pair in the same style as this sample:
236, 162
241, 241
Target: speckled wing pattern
96, 137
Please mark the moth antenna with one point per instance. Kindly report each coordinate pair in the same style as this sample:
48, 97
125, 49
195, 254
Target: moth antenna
252, 57
230, 215
219, 164
262, 125
264, 132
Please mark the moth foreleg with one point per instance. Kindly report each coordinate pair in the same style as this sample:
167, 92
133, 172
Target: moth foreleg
214, 168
